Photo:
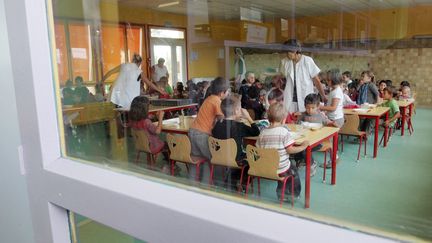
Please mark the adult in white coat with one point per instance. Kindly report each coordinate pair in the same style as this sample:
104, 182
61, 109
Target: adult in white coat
301, 74
127, 85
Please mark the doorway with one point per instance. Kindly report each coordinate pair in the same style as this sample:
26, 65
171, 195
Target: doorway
170, 45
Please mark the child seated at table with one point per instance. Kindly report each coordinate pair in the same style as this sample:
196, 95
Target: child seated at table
208, 113
334, 106
394, 112
231, 126
139, 120
405, 93
313, 115
382, 86
277, 136
163, 84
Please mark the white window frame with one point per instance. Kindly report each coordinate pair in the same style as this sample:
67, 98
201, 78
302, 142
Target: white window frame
145, 209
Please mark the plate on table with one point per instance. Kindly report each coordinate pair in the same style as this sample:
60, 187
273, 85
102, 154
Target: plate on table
361, 110
312, 126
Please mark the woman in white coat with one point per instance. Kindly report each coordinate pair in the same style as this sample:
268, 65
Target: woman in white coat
301, 74
127, 86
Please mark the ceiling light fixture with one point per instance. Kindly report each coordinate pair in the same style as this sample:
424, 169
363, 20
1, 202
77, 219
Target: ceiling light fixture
163, 5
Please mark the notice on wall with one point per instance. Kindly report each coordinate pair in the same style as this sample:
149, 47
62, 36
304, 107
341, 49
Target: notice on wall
79, 53
256, 33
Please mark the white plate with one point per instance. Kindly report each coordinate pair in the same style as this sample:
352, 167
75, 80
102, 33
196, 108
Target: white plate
311, 125
361, 110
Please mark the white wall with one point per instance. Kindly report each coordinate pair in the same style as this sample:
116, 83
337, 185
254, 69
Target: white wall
15, 219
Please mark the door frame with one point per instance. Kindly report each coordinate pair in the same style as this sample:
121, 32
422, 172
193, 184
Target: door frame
149, 55
144, 207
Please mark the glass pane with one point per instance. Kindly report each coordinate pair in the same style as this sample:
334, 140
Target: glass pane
85, 230
113, 52
372, 43
61, 53
134, 41
80, 48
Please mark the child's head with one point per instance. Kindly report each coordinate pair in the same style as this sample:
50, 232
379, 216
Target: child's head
334, 77
311, 103
231, 107
219, 87
79, 81
389, 92
277, 113
367, 76
139, 108
346, 76
275, 96
404, 83
382, 85
389, 82
69, 83
406, 91
163, 80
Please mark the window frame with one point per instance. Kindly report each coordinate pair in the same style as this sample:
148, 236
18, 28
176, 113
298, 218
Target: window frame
139, 207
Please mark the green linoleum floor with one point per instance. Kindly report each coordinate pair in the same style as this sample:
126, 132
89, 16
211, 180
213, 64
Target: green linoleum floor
392, 192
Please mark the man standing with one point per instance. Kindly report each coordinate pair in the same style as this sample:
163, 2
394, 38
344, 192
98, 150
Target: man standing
159, 70
301, 74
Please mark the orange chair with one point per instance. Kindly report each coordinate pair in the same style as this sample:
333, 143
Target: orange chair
142, 144
350, 128
264, 163
180, 151
224, 152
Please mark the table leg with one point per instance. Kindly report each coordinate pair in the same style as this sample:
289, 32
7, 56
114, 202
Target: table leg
334, 154
403, 121
386, 130
410, 111
307, 176
376, 137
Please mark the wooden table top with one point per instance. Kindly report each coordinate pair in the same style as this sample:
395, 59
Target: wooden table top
313, 136
377, 111
405, 102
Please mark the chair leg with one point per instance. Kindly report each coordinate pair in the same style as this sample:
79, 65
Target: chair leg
342, 143
283, 191
325, 165
211, 174
247, 185
197, 172
259, 186
137, 156
365, 140
292, 191
172, 167
241, 179
360, 144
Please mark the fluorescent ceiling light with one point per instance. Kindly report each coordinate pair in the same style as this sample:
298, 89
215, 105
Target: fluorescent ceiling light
163, 5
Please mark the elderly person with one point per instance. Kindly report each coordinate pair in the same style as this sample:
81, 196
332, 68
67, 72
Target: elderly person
159, 70
301, 73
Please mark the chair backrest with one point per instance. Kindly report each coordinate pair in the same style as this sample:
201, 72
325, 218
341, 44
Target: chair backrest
351, 125
180, 147
223, 151
141, 140
263, 162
